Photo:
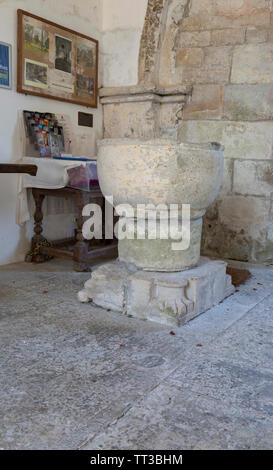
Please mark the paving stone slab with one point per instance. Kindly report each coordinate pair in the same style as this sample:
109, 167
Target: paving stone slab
65, 378
249, 339
235, 383
176, 419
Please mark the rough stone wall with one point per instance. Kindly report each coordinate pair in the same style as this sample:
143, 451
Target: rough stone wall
224, 48
150, 42
144, 109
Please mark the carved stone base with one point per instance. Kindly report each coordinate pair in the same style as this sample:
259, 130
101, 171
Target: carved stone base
168, 298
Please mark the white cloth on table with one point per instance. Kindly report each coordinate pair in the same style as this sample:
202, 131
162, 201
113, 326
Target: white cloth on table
51, 174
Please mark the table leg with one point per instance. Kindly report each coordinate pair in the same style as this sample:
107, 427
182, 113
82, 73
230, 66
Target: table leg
34, 256
81, 246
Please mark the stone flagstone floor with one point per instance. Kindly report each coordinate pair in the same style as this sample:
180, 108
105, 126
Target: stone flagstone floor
75, 376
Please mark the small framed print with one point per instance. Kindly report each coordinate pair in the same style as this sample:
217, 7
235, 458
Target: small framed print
56, 62
5, 65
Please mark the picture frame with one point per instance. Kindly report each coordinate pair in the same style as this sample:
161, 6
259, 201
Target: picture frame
56, 62
5, 65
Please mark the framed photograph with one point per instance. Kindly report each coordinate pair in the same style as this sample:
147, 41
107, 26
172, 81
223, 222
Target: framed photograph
5, 65
56, 62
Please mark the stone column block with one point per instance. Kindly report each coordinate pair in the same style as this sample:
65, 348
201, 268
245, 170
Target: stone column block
167, 298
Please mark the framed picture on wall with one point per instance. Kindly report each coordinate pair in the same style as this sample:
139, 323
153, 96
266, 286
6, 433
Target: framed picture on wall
56, 62
5, 65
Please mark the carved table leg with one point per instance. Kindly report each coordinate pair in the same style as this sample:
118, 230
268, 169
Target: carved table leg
81, 246
34, 256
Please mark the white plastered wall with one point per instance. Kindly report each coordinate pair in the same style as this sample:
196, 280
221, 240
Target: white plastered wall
118, 25
122, 24
84, 16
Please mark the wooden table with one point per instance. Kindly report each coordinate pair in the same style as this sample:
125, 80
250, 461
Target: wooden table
18, 168
42, 250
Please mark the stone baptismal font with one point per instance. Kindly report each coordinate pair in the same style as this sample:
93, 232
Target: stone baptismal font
158, 276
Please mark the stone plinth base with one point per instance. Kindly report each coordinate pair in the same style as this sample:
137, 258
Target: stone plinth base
169, 298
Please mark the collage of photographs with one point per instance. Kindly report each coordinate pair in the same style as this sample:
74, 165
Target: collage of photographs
72, 72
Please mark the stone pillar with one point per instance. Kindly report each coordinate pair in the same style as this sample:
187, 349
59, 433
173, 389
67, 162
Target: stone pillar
141, 161
144, 112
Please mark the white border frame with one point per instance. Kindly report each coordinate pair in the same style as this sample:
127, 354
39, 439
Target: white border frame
9, 86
